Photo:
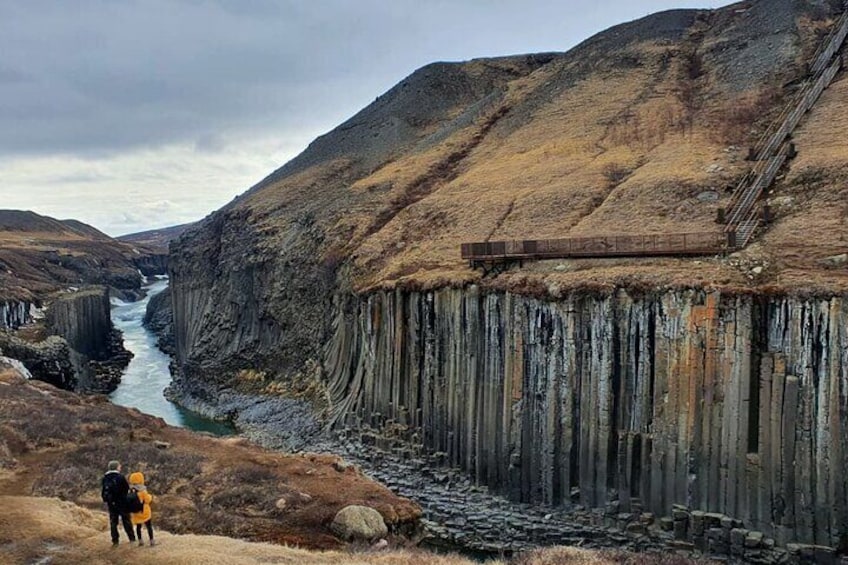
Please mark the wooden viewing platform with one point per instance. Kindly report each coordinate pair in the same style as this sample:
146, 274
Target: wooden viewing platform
690, 243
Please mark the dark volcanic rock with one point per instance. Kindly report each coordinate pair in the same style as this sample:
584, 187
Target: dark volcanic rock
92, 345
152, 263
159, 319
49, 360
83, 318
661, 402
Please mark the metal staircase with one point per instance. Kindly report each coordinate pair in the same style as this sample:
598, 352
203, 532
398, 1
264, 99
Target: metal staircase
742, 214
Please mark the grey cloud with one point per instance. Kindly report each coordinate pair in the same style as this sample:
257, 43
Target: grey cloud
93, 76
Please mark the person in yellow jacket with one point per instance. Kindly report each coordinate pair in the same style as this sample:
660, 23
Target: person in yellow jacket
144, 517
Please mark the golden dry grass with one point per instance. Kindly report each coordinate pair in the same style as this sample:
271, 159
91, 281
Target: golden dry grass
550, 178
626, 147
59, 532
49, 530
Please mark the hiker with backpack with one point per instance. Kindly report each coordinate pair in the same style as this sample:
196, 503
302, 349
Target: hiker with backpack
139, 501
114, 489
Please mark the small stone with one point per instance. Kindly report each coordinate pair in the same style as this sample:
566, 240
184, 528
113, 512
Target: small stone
679, 514
666, 524
824, 555
758, 270
380, 545
737, 537
681, 528
754, 539
161, 444
836, 261
712, 519
782, 201
716, 534
281, 504
708, 196
341, 465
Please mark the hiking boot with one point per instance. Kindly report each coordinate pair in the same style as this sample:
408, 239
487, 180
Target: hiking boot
152, 543
114, 544
140, 543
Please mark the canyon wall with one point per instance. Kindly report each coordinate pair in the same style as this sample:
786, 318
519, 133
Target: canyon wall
152, 263
14, 313
720, 403
83, 318
95, 347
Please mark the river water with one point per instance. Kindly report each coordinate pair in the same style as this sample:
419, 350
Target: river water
147, 375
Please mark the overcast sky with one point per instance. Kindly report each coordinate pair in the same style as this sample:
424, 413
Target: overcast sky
138, 114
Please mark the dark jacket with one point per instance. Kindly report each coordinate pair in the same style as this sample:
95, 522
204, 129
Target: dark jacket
114, 490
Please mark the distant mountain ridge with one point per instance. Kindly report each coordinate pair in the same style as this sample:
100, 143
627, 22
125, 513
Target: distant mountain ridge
40, 254
158, 238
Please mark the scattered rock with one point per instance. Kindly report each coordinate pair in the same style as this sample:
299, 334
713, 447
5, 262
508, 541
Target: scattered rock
714, 168
758, 270
359, 523
161, 444
381, 545
836, 261
708, 196
782, 202
281, 504
754, 539
341, 465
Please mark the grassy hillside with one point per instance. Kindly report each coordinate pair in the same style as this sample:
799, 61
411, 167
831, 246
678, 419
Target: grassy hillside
39, 255
155, 239
642, 129
203, 484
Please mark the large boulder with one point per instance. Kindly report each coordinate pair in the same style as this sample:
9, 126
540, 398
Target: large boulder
359, 523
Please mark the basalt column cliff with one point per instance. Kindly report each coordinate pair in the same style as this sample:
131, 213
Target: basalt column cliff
719, 403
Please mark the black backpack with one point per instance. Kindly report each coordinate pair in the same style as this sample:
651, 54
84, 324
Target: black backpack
111, 492
134, 503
